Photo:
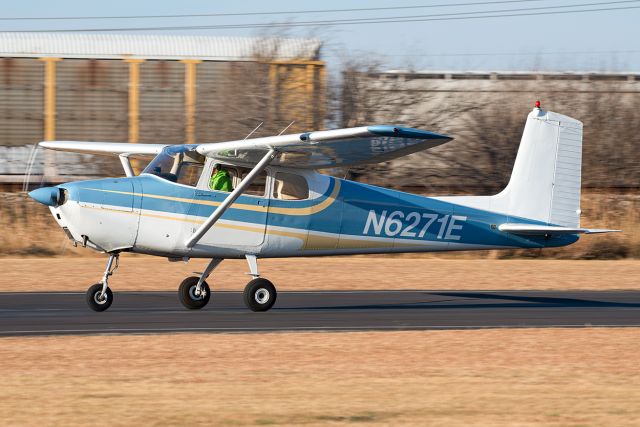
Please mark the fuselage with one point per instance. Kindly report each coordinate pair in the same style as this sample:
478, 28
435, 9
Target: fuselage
151, 215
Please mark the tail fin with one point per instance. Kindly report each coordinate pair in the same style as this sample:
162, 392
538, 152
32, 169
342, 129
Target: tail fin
546, 177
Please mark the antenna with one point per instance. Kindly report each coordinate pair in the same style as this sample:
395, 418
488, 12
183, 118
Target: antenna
281, 132
255, 129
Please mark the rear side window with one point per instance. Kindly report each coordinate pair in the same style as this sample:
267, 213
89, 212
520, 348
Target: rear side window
289, 186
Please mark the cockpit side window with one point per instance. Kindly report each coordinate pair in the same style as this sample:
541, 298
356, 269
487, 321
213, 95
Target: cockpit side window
177, 164
189, 173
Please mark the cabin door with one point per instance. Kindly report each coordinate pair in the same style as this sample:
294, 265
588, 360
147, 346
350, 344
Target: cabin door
243, 225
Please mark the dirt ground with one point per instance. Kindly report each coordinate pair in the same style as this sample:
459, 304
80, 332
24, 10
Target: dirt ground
552, 377
146, 273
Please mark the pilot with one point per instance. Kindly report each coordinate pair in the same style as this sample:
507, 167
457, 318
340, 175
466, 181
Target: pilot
220, 179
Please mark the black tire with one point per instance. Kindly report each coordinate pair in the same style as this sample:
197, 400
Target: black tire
93, 298
187, 296
260, 295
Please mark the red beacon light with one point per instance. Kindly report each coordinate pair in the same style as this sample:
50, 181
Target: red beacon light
537, 104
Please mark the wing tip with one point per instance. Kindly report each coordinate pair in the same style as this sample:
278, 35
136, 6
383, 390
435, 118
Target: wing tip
399, 131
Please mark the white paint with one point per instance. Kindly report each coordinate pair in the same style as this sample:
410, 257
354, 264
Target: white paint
545, 182
373, 220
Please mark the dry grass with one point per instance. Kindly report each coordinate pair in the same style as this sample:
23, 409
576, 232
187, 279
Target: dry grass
561, 377
147, 273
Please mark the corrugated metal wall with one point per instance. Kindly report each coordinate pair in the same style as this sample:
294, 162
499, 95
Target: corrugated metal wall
149, 101
213, 102
21, 101
162, 115
91, 100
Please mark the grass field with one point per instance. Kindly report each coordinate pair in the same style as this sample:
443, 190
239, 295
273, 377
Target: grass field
147, 273
552, 377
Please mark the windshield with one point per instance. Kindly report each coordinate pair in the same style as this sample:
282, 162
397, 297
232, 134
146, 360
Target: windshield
180, 164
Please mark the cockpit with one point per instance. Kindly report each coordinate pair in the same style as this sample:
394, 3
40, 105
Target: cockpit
179, 164
184, 165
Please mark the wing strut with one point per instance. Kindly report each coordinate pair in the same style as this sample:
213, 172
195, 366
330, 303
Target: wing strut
213, 218
126, 164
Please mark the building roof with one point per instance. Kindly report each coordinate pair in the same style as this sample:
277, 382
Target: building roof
119, 46
513, 75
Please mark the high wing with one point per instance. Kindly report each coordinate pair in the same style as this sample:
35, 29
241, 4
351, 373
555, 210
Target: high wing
329, 148
310, 150
104, 148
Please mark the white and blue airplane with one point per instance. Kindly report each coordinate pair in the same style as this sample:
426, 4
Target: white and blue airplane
282, 207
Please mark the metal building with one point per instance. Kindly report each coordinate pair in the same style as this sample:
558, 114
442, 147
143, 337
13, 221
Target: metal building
485, 112
149, 88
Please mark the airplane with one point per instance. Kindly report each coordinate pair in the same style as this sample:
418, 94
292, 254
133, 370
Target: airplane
281, 206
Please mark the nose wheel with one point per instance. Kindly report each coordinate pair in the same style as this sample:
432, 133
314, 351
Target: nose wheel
97, 300
260, 295
99, 296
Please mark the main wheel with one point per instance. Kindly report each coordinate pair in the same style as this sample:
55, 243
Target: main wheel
94, 301
187, 293
260, 295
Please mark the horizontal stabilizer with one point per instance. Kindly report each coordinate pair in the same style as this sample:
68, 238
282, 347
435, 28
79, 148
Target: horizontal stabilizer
543, 230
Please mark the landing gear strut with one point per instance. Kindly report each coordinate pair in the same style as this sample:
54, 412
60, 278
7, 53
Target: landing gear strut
99, 296
194, 293
259, 294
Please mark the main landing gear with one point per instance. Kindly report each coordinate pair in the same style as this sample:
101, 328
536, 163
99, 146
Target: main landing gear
259, 294
99, 296
194, 293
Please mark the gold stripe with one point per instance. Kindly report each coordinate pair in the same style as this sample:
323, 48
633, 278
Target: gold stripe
309, 210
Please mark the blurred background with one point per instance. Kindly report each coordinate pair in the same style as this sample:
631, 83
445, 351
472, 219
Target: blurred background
195, 72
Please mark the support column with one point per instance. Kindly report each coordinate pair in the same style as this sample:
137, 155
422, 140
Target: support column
134, 165
190, 87
134, 99
50, 98
50, 171
322, 95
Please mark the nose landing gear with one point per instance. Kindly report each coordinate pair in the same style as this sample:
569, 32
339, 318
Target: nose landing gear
99, 297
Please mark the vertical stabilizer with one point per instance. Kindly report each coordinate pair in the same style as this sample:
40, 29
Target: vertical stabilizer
546, 177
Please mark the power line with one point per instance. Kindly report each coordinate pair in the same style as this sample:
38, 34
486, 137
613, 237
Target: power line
505, 13
289, 12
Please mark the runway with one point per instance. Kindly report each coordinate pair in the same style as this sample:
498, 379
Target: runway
60, 313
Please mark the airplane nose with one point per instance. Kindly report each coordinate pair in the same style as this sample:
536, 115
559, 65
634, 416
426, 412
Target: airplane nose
49, 196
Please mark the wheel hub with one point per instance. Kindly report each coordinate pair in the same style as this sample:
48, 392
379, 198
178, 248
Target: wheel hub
262, 296
193, 295
100, 298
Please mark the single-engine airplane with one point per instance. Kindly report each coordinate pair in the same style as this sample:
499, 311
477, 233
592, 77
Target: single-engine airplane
280, 206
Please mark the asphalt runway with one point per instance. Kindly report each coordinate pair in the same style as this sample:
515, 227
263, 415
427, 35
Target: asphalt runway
59, 313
